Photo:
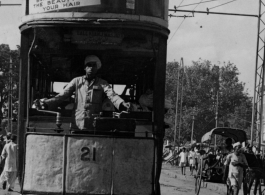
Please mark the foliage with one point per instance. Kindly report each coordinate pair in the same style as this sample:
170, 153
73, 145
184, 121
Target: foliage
201, 82
5, 56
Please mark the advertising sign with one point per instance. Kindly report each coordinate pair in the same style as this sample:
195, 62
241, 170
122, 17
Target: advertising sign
96, 37
41, 6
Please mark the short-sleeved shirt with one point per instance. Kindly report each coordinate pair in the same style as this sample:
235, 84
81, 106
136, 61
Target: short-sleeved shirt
234, 158
192, 155
183, 157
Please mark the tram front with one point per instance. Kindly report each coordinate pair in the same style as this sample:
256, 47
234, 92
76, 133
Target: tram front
121, 153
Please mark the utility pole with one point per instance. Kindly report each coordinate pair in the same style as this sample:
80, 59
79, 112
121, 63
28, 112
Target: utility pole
192, 128
10, 95
177, 100
216, 117
216, 71
181, 99
257, 109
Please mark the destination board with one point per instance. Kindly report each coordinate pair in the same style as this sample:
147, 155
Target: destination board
41, 6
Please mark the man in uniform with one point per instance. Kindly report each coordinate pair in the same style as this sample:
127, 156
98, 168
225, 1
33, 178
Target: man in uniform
89, 90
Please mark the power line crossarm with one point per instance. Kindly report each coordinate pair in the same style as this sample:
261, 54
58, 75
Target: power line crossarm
8, 4
219, 13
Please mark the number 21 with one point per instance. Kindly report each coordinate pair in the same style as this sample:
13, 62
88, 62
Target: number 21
86, 155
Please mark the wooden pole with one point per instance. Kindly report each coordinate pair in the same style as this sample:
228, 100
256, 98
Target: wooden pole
177, 100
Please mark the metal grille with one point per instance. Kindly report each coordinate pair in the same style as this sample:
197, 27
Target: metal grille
257, 110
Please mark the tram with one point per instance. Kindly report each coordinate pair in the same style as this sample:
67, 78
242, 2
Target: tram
123, 155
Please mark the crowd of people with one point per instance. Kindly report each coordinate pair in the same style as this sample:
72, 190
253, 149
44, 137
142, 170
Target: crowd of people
183, 157
8, 161
231, 157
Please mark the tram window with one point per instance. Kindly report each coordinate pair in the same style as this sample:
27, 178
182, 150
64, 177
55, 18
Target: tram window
119, 89
59, 86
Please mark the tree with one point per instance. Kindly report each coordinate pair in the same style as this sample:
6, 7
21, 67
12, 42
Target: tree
5, 55
202, 81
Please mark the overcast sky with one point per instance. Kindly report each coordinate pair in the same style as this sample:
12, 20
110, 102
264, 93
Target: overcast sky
217, 38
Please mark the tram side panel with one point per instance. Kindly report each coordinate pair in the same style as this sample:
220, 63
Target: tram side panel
43, 164
133, 166
88, 165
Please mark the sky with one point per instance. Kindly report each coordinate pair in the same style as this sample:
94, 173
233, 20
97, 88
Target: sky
217, 38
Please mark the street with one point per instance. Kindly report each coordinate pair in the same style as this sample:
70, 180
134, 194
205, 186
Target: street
15, 192
173, 183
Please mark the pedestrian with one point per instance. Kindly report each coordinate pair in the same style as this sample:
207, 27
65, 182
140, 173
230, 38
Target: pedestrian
89, 90
9, 173
2, 144
192, 160
235, 163
196, 156
183, 161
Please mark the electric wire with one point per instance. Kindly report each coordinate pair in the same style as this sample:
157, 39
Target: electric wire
176, 7
180, 3
182, 22
196, 3
222, 4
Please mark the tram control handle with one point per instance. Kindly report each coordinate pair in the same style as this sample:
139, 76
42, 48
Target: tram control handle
116, 123
58, 115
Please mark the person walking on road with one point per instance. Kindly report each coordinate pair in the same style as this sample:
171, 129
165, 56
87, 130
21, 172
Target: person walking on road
2, 145
236, 162
9, 173
192, 160
183, 161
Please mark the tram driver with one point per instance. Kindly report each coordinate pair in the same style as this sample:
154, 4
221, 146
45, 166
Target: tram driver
89, 90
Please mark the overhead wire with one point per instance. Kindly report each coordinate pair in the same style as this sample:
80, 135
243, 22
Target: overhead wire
182, 22
194, 9
180, 3
197, 3
176, 8
222, 4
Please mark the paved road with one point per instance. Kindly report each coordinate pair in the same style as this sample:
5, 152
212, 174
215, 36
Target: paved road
16, 190
173, 183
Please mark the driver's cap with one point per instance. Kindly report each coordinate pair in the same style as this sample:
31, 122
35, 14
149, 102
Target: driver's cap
237, 144
93, 58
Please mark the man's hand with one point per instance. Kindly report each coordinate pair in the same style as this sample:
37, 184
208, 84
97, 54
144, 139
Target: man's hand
40, 104
234, 163
125, 106
238, 164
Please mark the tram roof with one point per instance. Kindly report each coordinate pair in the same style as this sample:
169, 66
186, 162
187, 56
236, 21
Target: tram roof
236, 134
